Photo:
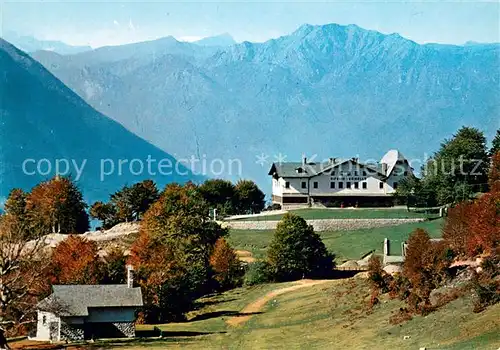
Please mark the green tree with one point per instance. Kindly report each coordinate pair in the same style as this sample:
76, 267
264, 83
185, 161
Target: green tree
219, 194
122, 202
130, 203
16, 203
142, 196
297, 251
114, 267
414, 193
249, 198
459, 168
15, 210
495, 144
103, 211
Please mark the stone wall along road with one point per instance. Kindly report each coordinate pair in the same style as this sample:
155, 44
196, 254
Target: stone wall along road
324, 224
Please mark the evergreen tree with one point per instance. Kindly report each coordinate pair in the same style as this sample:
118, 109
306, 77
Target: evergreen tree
297, 251
459, 168
495, 144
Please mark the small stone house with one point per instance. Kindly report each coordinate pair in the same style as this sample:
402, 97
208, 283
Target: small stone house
80, 312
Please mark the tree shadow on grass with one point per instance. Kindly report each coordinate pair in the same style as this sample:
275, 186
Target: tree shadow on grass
202, 304
216, 314
156, 332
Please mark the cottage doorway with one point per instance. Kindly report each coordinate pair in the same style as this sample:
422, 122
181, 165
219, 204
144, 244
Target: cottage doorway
54, 331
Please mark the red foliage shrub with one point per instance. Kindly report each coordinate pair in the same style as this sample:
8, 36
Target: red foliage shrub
456, 230
484, 224
473, 228
425, 267
401, 316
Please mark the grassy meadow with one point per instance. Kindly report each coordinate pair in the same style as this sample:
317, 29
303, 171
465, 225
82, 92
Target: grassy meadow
360, 213
331, 315
345, 244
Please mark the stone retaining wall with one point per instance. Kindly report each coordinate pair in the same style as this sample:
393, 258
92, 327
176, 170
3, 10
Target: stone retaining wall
325, 224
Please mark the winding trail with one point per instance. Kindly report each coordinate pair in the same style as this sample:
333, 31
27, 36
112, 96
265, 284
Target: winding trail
258, 304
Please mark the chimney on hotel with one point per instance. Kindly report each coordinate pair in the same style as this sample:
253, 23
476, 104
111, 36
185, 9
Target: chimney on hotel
304, 159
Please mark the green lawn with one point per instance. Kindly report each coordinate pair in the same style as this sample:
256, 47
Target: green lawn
310, 214
333, 315
345, 244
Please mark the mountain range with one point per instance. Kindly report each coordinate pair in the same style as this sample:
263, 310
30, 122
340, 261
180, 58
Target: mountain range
42, 119
329, 90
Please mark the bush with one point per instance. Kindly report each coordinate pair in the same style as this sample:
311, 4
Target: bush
258, 273
274, 206
379, 279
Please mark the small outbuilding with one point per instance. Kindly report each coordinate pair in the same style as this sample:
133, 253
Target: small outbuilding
81, 312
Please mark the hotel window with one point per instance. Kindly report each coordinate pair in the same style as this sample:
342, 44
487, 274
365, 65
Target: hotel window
287, 184
332, 184
347, 184
356, 185
364, 173
304, 184
381, 185
341, 185
315, 184
395, 185
333, 172
365, 186
355, 173
405, 173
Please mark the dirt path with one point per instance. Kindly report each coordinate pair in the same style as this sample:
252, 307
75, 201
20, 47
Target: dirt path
245, 255
257, 305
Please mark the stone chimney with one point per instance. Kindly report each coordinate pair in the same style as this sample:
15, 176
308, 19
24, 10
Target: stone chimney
130, 276
304, 159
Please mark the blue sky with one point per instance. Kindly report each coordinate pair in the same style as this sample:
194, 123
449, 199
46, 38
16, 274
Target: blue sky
98, 23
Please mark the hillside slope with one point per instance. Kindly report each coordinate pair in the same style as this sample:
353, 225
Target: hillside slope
330, 90
42, 119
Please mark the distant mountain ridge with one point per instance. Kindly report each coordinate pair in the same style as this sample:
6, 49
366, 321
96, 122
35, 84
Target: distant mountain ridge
221, 40
330, 90
30, 44
43, 119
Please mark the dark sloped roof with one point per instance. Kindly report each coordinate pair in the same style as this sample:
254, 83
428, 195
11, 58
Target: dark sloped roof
75, 300
289, 169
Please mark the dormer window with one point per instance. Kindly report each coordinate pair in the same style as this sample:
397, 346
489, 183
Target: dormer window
300, 170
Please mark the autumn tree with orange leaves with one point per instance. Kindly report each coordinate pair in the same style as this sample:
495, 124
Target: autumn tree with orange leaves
75, 261
171, 255
494, 173
57, 206
225, 265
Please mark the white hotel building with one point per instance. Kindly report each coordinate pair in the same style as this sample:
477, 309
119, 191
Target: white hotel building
339, 182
